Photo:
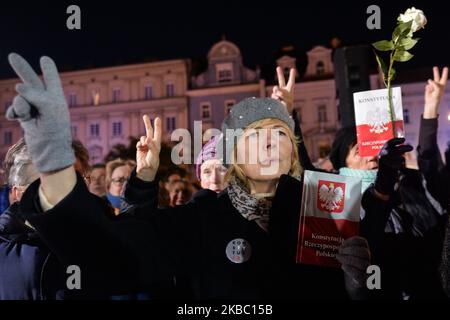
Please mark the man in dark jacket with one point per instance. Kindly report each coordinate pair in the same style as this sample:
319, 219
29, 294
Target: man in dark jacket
28, 270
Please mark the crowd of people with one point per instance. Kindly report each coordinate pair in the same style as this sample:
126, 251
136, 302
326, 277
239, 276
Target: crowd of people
224, 230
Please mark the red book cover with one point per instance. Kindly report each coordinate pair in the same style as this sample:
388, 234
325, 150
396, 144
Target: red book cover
373, 121
330, 214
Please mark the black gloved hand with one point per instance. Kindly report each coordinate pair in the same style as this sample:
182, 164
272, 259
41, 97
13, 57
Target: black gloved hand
390, 161
354, 256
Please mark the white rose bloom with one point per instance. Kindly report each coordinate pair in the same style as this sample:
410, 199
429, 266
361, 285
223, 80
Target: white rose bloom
417, 16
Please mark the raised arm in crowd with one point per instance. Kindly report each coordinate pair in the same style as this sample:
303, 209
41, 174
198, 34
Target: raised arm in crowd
406, 210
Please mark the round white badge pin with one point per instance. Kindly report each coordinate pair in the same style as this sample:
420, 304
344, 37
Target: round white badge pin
238, 250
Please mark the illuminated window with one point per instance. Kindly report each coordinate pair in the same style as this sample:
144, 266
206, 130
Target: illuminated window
224, 72
117, 129
170, 123
95, 130
322, 113
148, 92
72, 99
116, 95
206, 111
170, 90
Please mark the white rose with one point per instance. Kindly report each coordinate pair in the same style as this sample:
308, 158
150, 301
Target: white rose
417, 16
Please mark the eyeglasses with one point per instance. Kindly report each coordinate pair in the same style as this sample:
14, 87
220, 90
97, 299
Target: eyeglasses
100, 179
120, 180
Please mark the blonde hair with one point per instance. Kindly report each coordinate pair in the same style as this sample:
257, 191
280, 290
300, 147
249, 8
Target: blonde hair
113, 165
235, 169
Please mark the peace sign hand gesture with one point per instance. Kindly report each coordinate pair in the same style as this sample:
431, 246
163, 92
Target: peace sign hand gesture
285, 92
434, 91
41, 109
147, 150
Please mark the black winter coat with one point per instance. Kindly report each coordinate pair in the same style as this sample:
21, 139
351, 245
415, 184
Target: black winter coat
406, 233
196, 237
28, 270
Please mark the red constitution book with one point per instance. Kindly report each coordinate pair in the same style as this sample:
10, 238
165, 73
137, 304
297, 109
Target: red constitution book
373, 120
330, 212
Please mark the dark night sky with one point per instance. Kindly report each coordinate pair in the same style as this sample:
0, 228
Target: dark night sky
134, 31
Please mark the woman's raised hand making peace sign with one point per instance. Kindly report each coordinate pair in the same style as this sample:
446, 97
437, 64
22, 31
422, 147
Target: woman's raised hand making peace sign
147, 150
285, 92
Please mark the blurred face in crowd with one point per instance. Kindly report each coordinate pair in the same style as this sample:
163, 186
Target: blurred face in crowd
97, 184
17, 191
355, 161
178, 192
12, 196
212, 175
270, 144
172, 178
118, 178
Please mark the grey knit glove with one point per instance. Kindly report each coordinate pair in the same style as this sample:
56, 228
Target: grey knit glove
42, 111
354, 255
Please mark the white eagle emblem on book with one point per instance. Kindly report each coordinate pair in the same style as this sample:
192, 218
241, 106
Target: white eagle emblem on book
330, 197
378, 120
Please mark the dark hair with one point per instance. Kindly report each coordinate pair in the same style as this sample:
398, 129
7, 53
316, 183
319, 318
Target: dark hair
344, 140
98, 166
174, 170
81, 154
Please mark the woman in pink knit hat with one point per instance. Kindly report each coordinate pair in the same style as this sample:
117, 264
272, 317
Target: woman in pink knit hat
209, 170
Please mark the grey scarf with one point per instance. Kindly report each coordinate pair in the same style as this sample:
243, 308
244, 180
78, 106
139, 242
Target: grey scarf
249, 206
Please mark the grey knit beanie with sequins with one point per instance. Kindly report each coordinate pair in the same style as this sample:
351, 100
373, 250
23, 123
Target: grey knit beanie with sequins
245, 113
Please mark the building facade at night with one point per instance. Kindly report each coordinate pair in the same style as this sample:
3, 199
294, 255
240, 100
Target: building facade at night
314, 100
225, 82
107, 104
413, 102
